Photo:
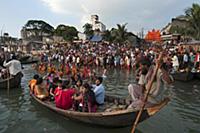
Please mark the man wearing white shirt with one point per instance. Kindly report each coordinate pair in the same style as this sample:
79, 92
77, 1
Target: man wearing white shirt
14, 66
175, 63
185, 60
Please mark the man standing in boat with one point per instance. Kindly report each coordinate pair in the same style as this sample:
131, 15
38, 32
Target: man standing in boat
14, 66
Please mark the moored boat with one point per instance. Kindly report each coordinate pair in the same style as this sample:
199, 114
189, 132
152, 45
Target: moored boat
183, 76
196, 75
13, 82
29, 61
118, 117
24, 58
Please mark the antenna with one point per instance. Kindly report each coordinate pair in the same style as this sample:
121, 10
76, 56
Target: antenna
2, 34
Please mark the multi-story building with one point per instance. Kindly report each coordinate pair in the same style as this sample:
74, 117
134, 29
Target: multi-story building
96, 24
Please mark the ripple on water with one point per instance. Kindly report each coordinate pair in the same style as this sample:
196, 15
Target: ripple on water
3, 128
4, 114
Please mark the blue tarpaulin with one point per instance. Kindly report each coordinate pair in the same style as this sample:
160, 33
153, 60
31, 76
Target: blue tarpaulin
96, 38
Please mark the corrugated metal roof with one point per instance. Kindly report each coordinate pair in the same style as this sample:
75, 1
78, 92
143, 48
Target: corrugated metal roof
96, 38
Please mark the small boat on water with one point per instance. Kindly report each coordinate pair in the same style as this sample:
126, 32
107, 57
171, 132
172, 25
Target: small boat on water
183, 76
24, 58
29, 61
107, 117
13, 82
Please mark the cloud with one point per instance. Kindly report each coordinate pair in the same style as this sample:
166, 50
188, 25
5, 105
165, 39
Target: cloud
137, 13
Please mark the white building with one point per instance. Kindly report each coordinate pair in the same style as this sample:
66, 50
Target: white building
82, 36
96, 24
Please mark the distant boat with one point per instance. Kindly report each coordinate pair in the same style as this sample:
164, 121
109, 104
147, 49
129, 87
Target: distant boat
116, 118
30, 61
27, 59
24, 58
183, 76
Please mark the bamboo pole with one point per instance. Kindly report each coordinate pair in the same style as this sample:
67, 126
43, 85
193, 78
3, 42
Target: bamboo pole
8, 76
8, 82
149, 85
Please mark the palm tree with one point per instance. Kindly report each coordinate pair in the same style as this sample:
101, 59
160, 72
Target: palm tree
193, 14
120, 34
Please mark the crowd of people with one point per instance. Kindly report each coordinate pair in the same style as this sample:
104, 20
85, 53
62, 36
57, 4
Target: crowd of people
84, 56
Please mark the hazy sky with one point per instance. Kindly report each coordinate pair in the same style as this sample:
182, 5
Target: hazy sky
138, 14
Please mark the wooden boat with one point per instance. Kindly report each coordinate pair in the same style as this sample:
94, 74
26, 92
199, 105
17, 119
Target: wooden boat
29, 61
14, 82
196, 75
24, 58
183, 76
118, 117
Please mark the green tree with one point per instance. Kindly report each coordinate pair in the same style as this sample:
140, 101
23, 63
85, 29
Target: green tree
193, 14
67, 32
38, 28
180, 30
88, 30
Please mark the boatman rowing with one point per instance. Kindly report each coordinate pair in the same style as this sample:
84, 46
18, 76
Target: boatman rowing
14, 66
158, 88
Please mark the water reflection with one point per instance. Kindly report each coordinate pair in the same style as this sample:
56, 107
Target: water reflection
186, 104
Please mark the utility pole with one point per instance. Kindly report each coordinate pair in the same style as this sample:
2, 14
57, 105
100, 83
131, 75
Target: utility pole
1, 35
142, 33
1, 38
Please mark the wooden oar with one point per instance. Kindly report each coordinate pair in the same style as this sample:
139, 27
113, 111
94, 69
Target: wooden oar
8, 82
148, 88
8, 77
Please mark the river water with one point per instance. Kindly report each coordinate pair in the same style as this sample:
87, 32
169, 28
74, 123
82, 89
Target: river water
20, 114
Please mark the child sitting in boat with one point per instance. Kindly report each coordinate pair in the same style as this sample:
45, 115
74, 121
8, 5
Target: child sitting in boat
50, 78
63, 95
32, 83
87, 101
52, 87
40, 89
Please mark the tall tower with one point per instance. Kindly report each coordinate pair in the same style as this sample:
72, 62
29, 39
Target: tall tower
94, 19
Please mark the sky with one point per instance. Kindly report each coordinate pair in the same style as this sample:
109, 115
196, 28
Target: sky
146, 14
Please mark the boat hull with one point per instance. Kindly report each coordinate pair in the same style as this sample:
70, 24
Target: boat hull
14, 82
29, 61
197, 75
118, 118
183, 76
